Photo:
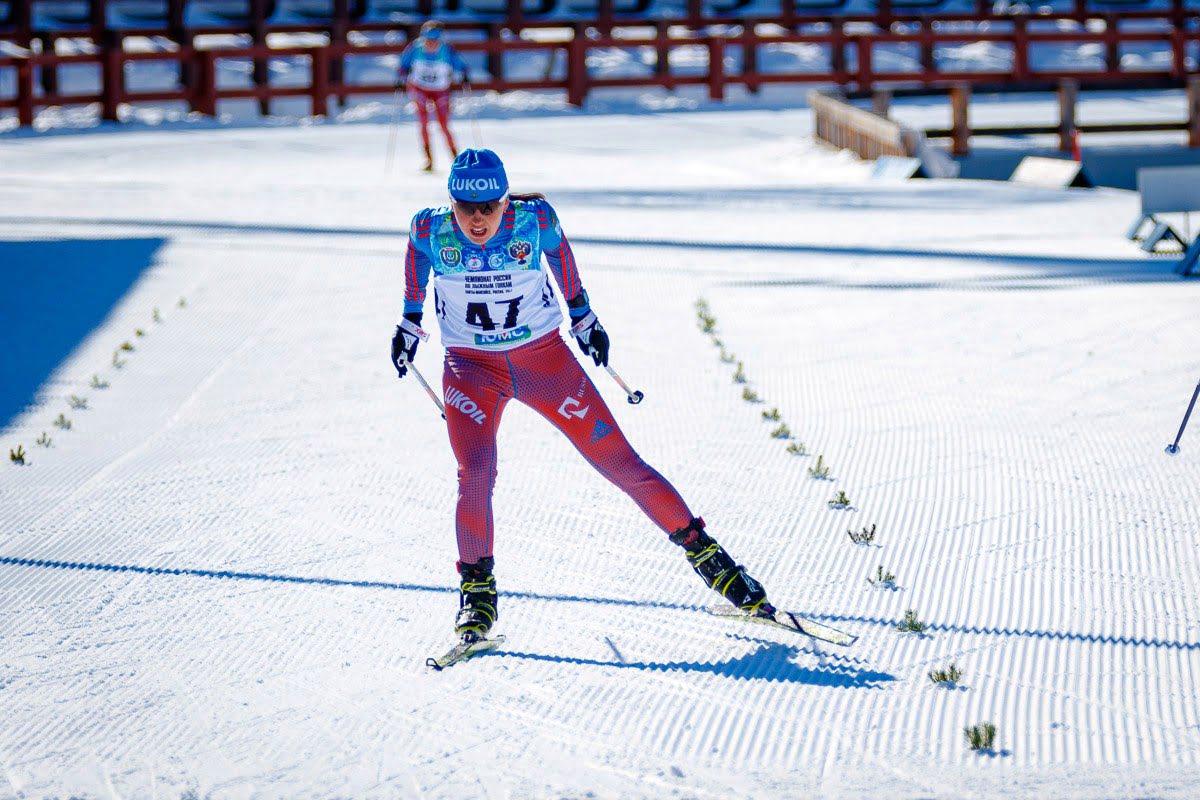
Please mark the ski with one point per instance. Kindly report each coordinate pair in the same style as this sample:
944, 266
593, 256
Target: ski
462, 651
791, 622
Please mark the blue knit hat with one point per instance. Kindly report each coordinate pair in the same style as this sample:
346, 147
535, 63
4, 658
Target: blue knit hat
477, 176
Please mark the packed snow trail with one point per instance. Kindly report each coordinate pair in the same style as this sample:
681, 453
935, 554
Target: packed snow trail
226, 576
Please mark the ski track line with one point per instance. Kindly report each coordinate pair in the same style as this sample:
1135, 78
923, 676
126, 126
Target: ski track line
1043, 560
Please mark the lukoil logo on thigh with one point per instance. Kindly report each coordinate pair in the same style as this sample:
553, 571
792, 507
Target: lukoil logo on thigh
456, 399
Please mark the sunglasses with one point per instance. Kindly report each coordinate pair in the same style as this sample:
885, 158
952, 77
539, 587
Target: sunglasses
469, 209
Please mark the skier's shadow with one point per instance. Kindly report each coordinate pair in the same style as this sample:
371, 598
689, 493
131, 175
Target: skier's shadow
772, 661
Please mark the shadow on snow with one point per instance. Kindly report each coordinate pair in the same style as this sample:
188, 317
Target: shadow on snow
1035, 268
1067, 636
772, 661
54, 294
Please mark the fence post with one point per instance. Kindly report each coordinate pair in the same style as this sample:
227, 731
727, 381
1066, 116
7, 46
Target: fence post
662, 55
1179, 44
577, 70
205, 90
25, 92
337, 36
837, 54
881, 102
258, 36
750, 58
1020, 65
1068, 92
320, 81
112, 86
862, 49
1193, 93
716, 68
960, 128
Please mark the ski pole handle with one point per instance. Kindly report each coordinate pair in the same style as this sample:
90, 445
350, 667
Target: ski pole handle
633, 397
421, 379
1172, 449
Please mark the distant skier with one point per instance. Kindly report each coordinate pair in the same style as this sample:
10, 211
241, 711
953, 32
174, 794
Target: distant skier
427, 68
499, 320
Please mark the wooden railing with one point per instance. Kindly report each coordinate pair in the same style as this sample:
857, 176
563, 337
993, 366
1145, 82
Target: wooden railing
848, 127
850, 65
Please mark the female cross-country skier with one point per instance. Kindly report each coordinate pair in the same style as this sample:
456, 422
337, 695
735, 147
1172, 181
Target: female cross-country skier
499, 320
427, 68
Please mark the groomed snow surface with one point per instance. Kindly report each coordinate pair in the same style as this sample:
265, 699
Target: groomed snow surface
225, 578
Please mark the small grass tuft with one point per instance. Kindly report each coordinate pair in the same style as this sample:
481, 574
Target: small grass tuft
727, 358
127, 347
117, 361
139, 332
772, 415
797, 449
17, 456
882, 578
782, 432
62, 422
819, 470
946, 677
97, 383
749, 395
863, 537
43, 440
739, 375
840, 500
157, 316
981, 737
182, 302
76, 402
911, 623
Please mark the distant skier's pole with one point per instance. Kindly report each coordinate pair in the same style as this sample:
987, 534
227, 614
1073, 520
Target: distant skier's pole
1172, 449
391, 145
421, 379
471, 111
634, 397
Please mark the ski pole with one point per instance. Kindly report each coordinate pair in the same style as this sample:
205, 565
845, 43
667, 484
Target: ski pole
1172, 449
421, 379
391, 145
634, 397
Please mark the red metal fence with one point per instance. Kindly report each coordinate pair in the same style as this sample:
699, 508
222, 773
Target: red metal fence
850, 64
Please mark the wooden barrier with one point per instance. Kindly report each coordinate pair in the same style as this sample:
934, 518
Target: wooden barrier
1067, 128
847, 127
199, 88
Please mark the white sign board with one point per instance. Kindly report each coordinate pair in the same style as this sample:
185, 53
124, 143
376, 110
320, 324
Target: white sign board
1049, 172
1166, 190
895, 168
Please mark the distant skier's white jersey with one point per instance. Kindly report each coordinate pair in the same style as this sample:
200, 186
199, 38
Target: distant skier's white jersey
434, 71
495, 296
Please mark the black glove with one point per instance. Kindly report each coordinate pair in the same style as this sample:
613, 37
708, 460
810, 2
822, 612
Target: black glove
593, 340
404, 343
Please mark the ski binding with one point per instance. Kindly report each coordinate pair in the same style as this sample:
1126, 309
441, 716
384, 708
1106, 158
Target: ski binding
789, 621
462, 651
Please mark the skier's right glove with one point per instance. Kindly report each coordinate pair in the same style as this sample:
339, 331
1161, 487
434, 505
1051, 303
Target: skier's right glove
404, 343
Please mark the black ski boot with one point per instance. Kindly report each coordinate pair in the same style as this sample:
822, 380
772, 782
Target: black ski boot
476, 600
719, 571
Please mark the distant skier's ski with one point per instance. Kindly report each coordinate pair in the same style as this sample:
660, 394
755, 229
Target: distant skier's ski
462, 651
790, 621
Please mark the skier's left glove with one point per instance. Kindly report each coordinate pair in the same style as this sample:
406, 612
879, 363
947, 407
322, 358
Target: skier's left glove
592, 338
404, 343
